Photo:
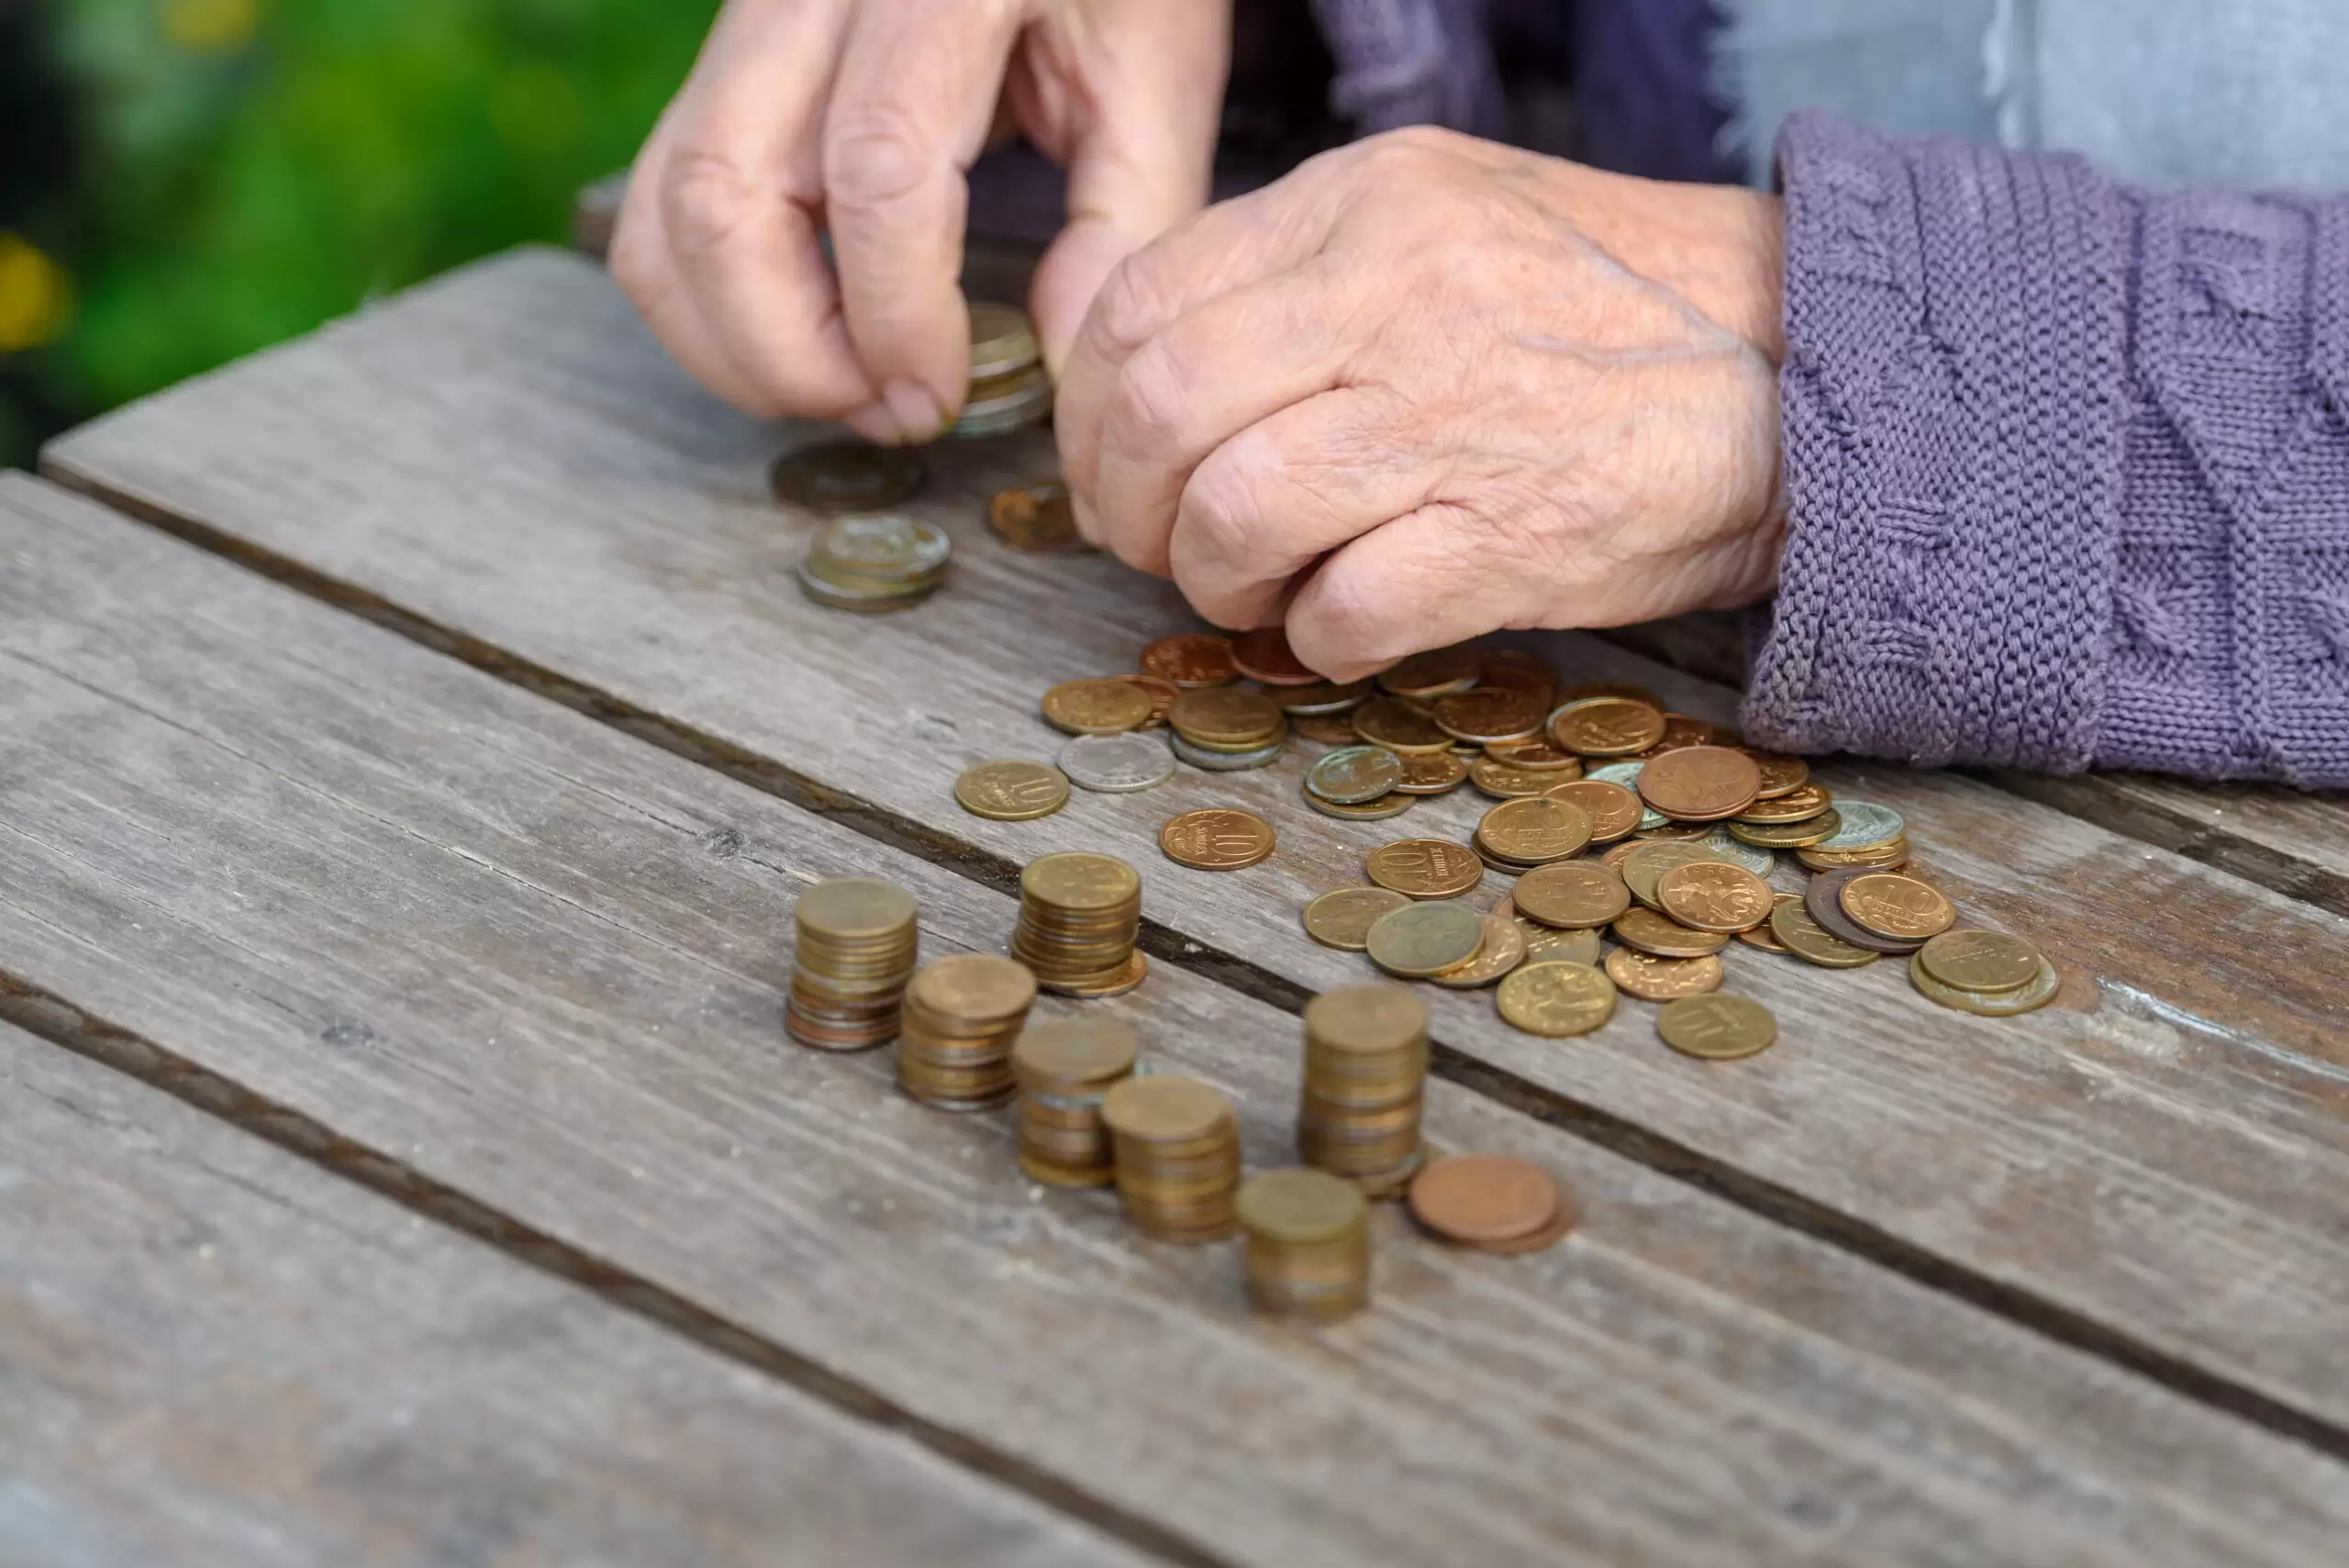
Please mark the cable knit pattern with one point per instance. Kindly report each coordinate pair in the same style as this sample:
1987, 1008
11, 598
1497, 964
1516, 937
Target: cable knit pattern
2067, 464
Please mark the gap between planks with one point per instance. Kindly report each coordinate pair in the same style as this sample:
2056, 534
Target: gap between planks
60, 1022
1766, 1199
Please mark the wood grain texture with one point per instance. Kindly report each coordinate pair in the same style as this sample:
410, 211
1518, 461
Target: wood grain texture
523, 955
212, 1352
507, 456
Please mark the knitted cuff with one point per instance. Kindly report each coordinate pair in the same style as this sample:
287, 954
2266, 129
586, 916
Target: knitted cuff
1953, 416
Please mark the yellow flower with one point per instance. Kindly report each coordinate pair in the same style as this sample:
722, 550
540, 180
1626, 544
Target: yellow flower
36, 297
210, 23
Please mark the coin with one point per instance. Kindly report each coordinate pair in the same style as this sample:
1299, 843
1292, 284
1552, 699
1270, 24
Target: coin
1700, 783
1425, 868
1543, 945
1431, 772
1117, 764
1384, 808
1721, 847
1115, 983
1765, 936
1264, 655
1505, 782
1799, 804
1719, 1027
1780, 775
846, 476
2037, 992
1216, 839
1709, 896
1322, 697
1002, 341
1433, 673
1330, 729
1613, 810
1504, 948
1884, 857
1487, 715
1100, 706
1191, 659
1665, 938
1823, 898
853, 908
1010, 790
1225, 762
1867, 826
1605, 726
1354, 775
1556, 1000
1005, 403
1682, 730
1801, 835
1398, 727
1653, 979
1034, 516
1647, 863
878, 548
1534, 831
1163, 693
1480, 1199
1574, 895
1342, 918
1899, 908
1536, 756
1418, 941
1300, 1206
1813, 943
1225, 717
1072, 1050
1975, 960
862, 598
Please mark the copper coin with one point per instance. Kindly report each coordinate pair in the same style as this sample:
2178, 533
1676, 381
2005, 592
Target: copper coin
1605, 726
1799, 804
1626, 689
1217, 839
1432, 773
1098, 706
1781, 776
1433, 673
1322, 697
1264, 655
1163, 693
1536, 756
1647, 863
1822, 899
1682, 730
1713, 895
1571, 895
1425, 868
1700, 783
1398, 727
1225, 716
1653, 979
1191, 659
1534, 831
1329, 730
1766, 935
1516, 678
1664, 936
1556, 1000
1900, 907
1487, 713
1505, 782
1483, 1198
1613, 810
1034, 518
1545, 945
1569, 1216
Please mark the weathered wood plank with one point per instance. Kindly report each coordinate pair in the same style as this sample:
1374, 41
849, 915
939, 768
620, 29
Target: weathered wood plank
530, 958
213, 1352
509, 457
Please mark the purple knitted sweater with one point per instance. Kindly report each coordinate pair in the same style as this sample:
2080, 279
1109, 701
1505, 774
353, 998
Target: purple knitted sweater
2068, 465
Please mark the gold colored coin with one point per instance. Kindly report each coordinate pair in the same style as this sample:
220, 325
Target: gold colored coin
1571, 893
1034, 518
1425, 868
1899, 908
1329, 729
847, 908
1781, 776
974, 986
1301, 1207
1398, 727
1425, 938
1077, 880
1164, 1108
1713, 895
1798, 804
1718, 1028
1217, 839
1343, 919
1487, 715
1373, 1019
1536, 756
1379, 810
1503, 950
1700, 783
1225, 716
1624, 689
1101, 705
1813, 943
1505, 782
1556, 1000
1975, 960
1613, 810
1011, 790
1433, 673
1682, 730
1647, 863
2037, 992
1543, 945
1884, 857
1801, 835
1163, 693
1432, 773
1763, 936
1075, 1050
1663, 937
1191, 659
1653, 979
1605, 726
846, 476
1116, 982
1535, 830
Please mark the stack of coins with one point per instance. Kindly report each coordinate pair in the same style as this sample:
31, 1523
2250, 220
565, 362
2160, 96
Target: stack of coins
961, 1016
1365, 1071
1519, 835
846, 476
875, 561
1065, 1067
1309, 1244
857, 938
1988, 972
1177, 1149
1009, 386
1079, 915
1493, 1203
1226, 728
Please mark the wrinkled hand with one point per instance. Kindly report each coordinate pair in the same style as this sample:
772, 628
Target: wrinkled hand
1427, 387
861, 117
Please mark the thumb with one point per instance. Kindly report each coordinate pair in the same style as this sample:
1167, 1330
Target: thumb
1139, 113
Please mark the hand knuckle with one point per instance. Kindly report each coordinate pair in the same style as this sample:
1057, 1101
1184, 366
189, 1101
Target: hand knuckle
1222, 513
873, 159
1153, 405
1128, 308
707, 197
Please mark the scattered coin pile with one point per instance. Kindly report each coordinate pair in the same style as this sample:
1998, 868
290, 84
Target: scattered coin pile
962, 1014
1309, 1244
856, 940
1177, 1156
1064, 1066
1079, 915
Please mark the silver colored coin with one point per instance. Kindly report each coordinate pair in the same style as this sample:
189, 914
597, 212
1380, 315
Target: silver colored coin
1376, 811
1026, 398
834, 596
1628, 776
880, 546
1354, 775
1225, 761
1865, 826
1720, 846
1117, 764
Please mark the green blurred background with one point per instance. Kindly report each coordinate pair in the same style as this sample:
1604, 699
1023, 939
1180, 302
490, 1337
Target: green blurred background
185, 181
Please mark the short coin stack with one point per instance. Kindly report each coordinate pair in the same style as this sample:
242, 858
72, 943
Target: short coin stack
1008, 388
962, 1014
1065, 1067
875, 561
846, 476
1309, 1244
1227, 728
857, 940
1079, 915
1365, 1071
1177, 1156
1493, 1203
1987, 972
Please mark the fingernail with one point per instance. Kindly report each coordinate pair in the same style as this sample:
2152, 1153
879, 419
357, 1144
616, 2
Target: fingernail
876, 423
916, 411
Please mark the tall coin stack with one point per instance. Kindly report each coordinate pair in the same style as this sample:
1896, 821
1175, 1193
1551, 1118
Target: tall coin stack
1064, 1066
1078, 917
961, 1016
857, 938
1365, 1067
1177, 1149
1009, 386
1308, 1243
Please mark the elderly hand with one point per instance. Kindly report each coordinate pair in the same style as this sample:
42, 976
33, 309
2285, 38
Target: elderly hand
1428, 387
862, 116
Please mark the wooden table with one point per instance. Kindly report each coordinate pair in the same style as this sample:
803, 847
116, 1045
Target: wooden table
415, 742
